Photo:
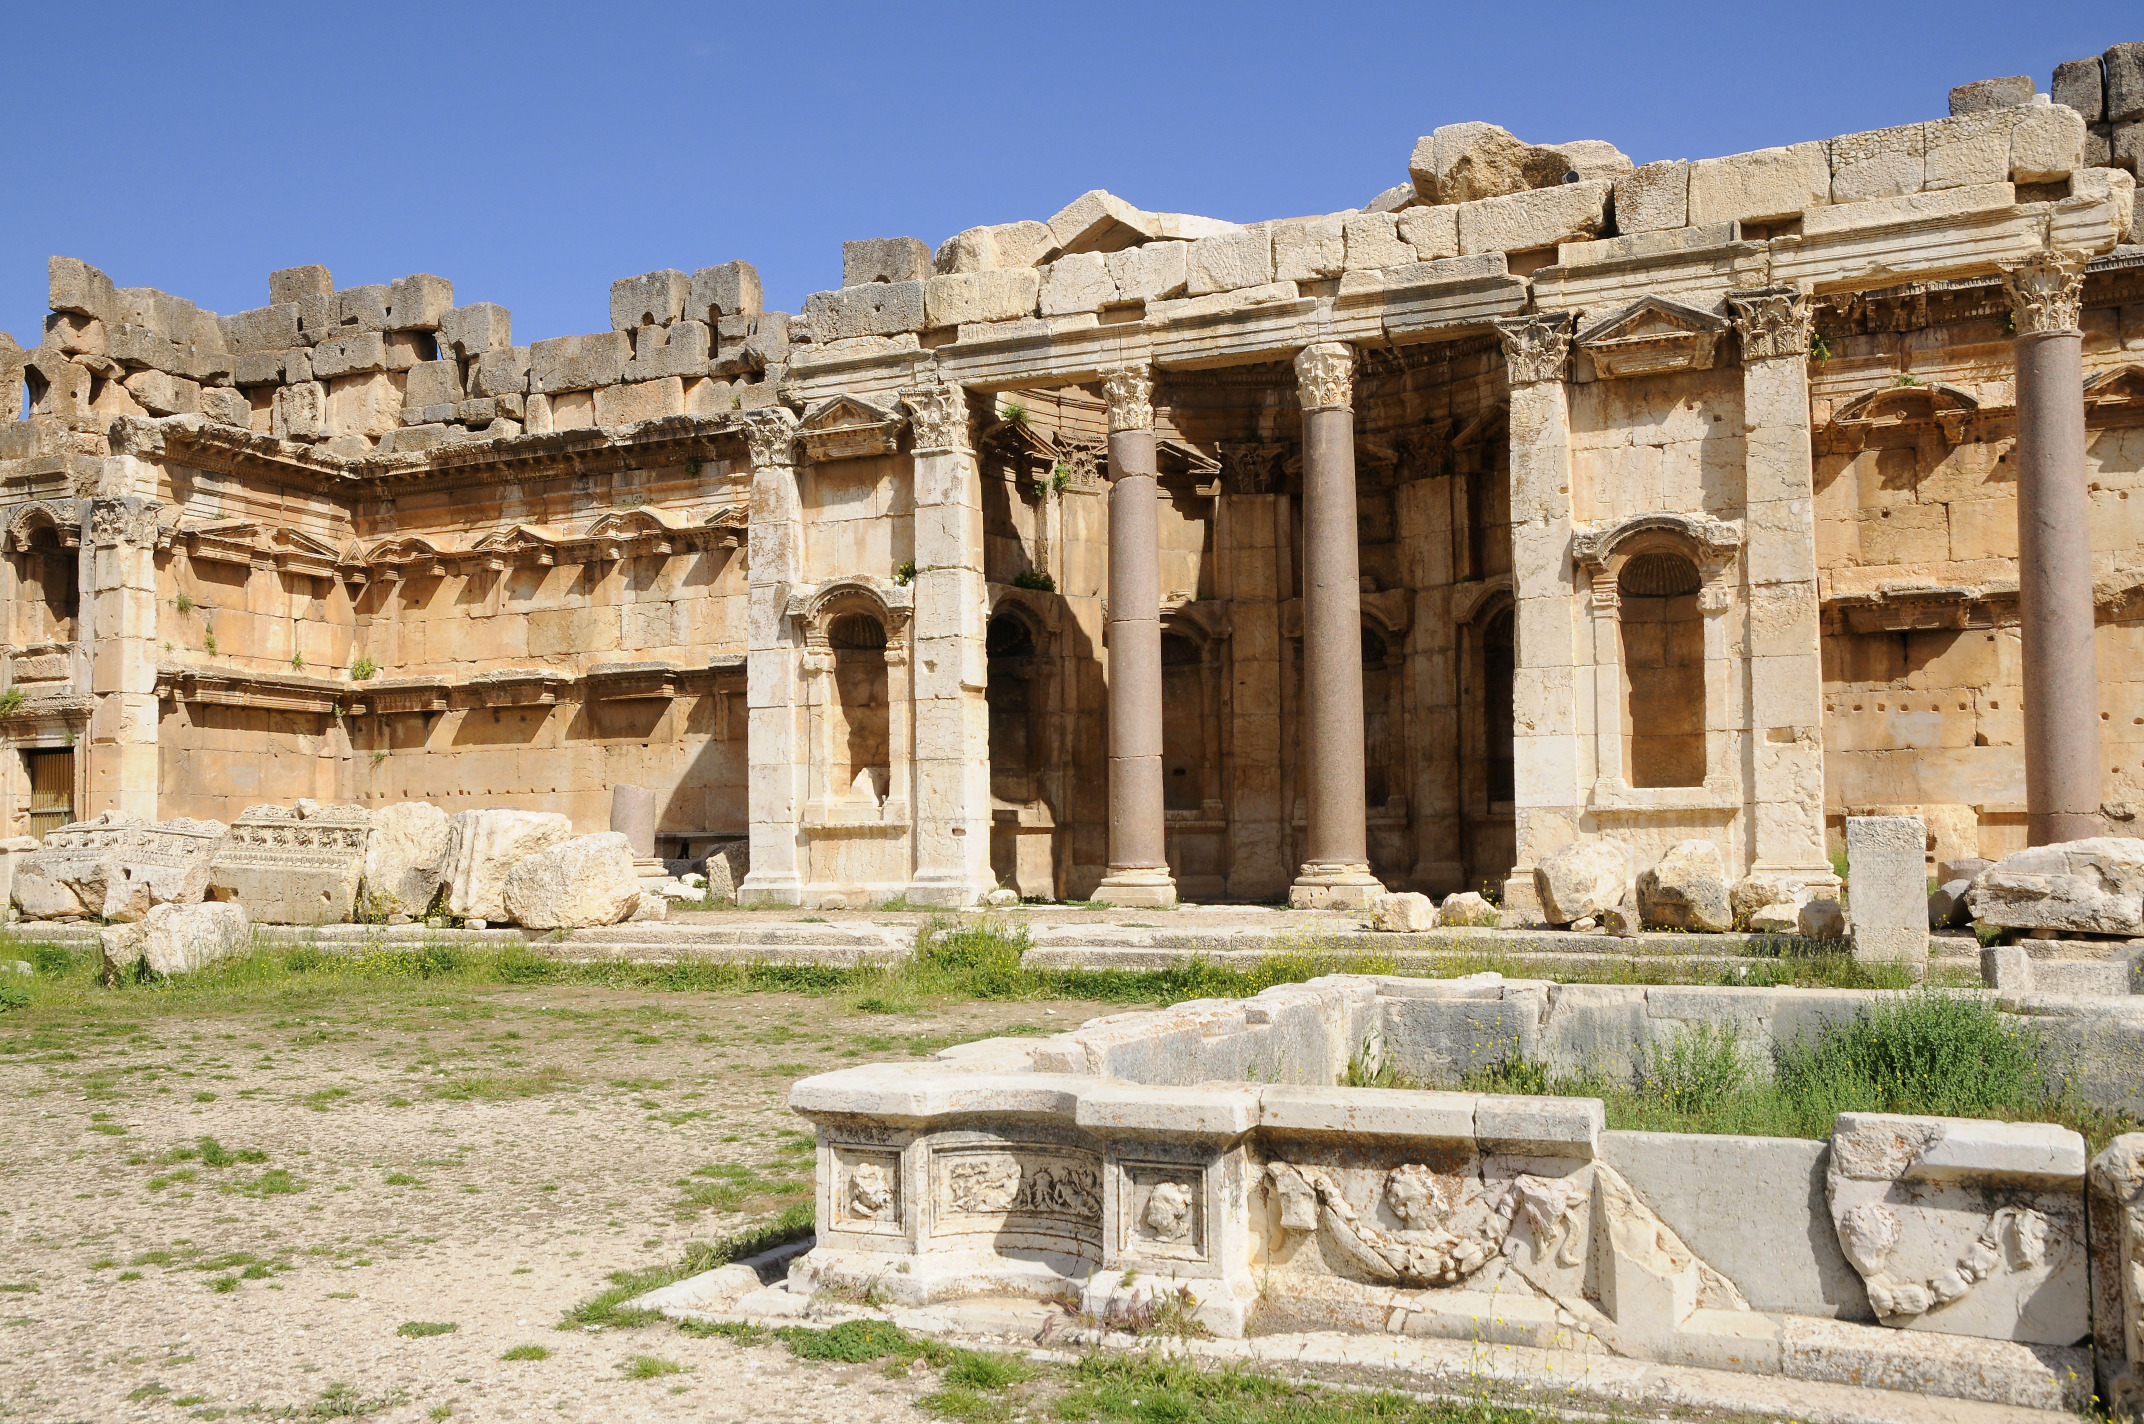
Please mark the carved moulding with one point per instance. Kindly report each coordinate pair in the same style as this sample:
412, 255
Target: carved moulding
519, 687
1964, 1227
1775, 323
1325, 376
847, 427
1652, 336
2119, 392
1536, 347
939, 412
62, 516
237, 687
1872, 414
1128, 391
2046, 291
1710, 542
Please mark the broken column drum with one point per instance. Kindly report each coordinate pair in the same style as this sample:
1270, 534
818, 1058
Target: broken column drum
1336, 871
1138, 851
2054, 545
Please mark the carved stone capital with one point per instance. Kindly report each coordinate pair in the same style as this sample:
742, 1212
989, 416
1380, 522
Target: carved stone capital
1775, 323
1325, 376
771, 435
1129, 390
2046, 291
938, 412
128, 521
1535, 347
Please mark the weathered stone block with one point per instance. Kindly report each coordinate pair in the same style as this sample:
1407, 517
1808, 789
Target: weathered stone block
472, 330
176, 939
1767, 185
642, 400
2007, 92
300, 412
261, 329
1079, 283
1432, 232
1571, 212
726, 289
1230, 260
75, 286
585, 881
1464, 163
297, 284
650, 299
369, 404
884, 259
418, 302
985, 249
2079, 84
293, 865
1152, 272
115, 867
1372, 240
1879, 164
578, 363
1468, 909
1887, 879
876, 309
2091, 886
2115, 1205
361, 309
2125, 82
1308, 249
1406, 912
1653, 198
502, 370
433, 383
348, 355
163, 394
980, 296
225, 406
482, 846
1687, 890
1098, 221
2047, 145
679, 349
1970, 150
1583, 878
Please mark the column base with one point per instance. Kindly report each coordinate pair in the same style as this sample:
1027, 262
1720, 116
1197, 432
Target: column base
774, 888
1521, 899
947, 894
1334, 885
1144, 887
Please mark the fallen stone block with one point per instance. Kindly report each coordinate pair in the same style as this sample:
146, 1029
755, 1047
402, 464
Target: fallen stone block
482, 846
2091, 886
1887, 877
575, 884
79, 867
1469, 909
1464, 163
404, 859
1687, 890
1406, 912
1582, 879
175, 939
293, 865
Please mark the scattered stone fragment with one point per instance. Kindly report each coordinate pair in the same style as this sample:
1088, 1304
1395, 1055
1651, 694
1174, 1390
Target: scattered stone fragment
1687, 890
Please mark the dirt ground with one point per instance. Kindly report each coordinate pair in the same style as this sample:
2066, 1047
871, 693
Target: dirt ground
476, 1158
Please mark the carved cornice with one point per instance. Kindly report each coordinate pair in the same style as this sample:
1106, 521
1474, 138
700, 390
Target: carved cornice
1775, 323
771, 436
1129, 393
2046, 291
1535, 347
1325, 376
939, 413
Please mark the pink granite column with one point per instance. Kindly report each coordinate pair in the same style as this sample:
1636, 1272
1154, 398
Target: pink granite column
2054, 548
1138, 848
1336, 871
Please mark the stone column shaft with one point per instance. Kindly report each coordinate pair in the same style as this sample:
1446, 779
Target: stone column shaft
1336, 865
774, 746
1138, 844
2057, 626
117, 628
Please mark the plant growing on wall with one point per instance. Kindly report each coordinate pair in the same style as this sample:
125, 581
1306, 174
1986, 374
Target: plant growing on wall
906, 573
11, 702
297, 662
1036, 579
184, 602
208, 641
1013, 413
363, 669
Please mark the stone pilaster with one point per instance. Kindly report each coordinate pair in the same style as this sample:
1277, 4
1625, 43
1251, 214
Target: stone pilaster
775, 745
118, 628
2056, 624
952, 718
1138, 844
1546, 800
1336, 867
1786, 665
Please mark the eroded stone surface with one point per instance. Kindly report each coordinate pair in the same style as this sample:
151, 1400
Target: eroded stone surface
483, 846
588, 880
293, 865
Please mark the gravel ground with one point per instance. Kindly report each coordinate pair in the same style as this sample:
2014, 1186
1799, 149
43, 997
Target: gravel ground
479, 1158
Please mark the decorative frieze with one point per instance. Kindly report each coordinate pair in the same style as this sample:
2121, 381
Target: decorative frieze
1536, 347
1325, 376
1708, 541
408, 694
1775, 323
1129, 393
2046, 291
631, 682
237, 687
293, 865
519, 687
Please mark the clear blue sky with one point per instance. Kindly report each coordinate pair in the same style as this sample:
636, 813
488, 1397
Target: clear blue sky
532, 153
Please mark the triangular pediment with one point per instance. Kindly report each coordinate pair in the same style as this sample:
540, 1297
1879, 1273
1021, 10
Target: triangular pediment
292, 541
846, 427
842, 411
1651, 317
2124, 385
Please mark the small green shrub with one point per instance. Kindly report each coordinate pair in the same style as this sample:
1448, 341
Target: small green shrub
419, 1329
1035, 579
1699, 1068
11, 701
364, 669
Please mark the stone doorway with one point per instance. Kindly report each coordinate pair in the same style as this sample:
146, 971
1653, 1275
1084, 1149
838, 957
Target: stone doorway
51, 790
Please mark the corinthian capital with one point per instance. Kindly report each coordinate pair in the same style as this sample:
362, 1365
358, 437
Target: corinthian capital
123, 521
2046, 290
1325, 376
1535, 347
1129, 390
939, 414
1774, 322
771, 435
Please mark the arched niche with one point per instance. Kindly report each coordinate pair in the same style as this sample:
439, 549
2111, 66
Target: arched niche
856, 692
44, 558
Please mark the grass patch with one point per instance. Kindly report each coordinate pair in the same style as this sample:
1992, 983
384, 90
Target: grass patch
647, 1367
342, 1401
419, 1329
731, 1187
527, 1352
1151, 1389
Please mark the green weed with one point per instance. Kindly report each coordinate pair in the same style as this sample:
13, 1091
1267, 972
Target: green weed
647, 1367
419, 1329
527, 1352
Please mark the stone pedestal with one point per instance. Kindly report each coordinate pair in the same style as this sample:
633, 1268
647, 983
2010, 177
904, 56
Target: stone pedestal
775, 760
632, 815
952, 717
1138, 849
1887, 880
1336, 871
1546, 801
2054, 545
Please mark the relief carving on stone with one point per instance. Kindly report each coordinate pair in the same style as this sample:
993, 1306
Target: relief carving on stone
771, 436
1163, 1209
1325, 376
113, 522
939, 414
1254, 469
1774, 322
1001, 1182
1129, 393
1536, 347
2046, 291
